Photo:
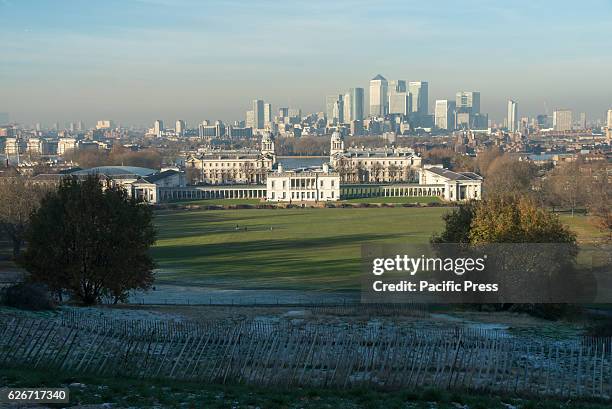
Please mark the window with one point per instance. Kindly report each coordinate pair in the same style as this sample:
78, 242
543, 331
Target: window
332, 194
272, 184
333, 183
272, 195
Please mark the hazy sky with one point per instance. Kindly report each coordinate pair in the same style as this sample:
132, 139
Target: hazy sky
137, 60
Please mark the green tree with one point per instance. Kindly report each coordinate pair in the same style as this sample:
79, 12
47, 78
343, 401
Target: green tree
91, 240
504, 219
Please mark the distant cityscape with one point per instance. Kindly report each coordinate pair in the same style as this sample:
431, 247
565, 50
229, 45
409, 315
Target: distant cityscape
385, 146
396, 106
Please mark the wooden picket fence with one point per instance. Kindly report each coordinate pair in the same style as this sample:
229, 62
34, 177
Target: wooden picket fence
285, 355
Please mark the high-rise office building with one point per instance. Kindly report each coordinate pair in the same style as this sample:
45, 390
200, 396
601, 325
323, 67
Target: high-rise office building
179, 128
334, 109
419, 90
258, 114
512, 117
355, 108
346, 103
400, 103
468, 102
378, 96
283, 112
562, 120
158, 127
250, 119
396, 86
609, 121
267, 115
583, 121
445, 114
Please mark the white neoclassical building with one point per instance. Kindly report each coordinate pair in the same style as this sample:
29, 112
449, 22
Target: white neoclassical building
373, 165
458, 186
318, 184
217, 167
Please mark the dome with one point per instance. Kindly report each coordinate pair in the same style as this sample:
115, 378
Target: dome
336, 136
267, 136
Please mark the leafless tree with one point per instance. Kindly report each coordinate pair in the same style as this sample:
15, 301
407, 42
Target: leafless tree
19, 197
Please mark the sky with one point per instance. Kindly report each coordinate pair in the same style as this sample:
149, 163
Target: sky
134, 61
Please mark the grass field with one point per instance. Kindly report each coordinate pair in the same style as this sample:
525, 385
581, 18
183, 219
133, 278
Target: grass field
308, 249
304, 249
584, 227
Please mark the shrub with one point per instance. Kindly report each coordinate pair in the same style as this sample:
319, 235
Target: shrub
27, 296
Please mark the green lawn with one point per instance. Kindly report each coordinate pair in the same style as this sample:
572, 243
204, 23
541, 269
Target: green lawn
281, 248
399, 199
583, 226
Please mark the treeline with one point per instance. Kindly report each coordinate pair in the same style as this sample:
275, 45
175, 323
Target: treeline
118, 155
569, 186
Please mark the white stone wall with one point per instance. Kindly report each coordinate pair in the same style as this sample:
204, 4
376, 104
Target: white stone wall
302, 187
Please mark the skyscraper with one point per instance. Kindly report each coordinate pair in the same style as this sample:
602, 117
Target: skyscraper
356, 104
445, 114
258, 114
267, 114
419, 91
347, 103
334, 109
468, 102
179, 127
512, 116
378, 96
562, 120
396, 86
400, 103
158, 127
609, 121
583, 120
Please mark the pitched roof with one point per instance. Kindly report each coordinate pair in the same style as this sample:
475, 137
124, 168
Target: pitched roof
379, 78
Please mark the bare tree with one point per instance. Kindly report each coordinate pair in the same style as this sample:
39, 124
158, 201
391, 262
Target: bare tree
19, 197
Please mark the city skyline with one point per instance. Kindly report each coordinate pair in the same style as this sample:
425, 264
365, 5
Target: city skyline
136, 61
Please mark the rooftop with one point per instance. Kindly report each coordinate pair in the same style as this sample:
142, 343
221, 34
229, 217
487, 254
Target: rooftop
449, 174
115, 171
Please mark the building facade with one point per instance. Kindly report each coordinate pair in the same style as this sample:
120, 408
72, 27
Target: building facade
233, 166
512, 117
303, 185
562, 120
378, 96
457, 186
359, 165
445, 114
419, 90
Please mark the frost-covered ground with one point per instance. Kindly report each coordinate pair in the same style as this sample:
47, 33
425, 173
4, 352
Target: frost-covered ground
213, 294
